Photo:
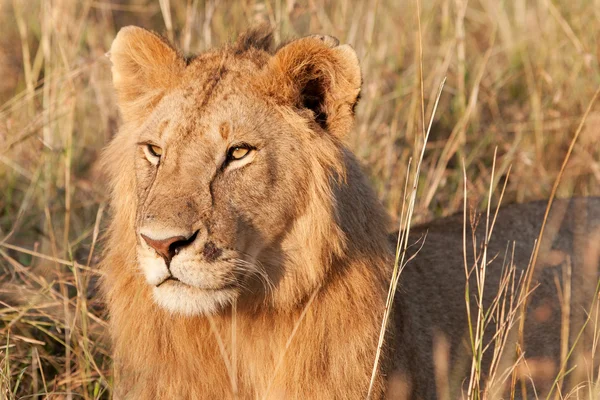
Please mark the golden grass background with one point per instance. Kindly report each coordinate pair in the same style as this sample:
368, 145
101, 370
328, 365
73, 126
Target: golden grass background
520, 74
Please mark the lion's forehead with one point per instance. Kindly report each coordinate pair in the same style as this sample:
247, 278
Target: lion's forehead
218, 99
180, 119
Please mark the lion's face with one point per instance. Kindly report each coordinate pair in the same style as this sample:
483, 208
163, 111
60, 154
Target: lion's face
212, 195
224, 166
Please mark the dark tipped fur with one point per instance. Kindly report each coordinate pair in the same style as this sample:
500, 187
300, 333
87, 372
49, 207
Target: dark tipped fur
259, 37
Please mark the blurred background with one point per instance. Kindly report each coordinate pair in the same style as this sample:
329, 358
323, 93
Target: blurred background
520, 75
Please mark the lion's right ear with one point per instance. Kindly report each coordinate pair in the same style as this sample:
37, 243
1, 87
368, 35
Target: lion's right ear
318, 74
144, 68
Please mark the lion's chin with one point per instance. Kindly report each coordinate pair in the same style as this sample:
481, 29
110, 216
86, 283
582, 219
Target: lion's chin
182, 299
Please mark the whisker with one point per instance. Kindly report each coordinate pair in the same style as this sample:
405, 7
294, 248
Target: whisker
255, 270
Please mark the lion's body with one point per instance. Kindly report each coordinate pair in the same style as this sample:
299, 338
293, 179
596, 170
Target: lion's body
247, 256
431, 307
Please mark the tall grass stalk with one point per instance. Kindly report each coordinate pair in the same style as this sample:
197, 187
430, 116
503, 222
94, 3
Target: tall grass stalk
401, 248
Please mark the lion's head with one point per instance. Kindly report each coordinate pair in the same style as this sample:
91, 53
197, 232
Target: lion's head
228, 168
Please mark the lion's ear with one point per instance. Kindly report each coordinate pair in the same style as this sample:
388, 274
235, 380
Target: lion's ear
144, 68
317, 74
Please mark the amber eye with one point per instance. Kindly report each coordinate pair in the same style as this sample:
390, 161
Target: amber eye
152, 153
154, 150
238, 152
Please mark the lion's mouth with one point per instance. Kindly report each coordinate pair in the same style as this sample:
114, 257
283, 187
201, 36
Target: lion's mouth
170, 278
174, 280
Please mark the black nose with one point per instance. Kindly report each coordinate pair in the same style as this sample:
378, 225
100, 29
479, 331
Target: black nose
168, 247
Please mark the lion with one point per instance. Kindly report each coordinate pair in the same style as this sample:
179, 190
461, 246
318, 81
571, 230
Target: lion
247, 256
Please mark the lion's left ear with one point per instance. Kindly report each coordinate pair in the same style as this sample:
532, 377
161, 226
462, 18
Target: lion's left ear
317, 74
144, 67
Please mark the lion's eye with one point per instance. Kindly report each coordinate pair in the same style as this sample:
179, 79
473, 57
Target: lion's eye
153, 153
154, 150
238, 152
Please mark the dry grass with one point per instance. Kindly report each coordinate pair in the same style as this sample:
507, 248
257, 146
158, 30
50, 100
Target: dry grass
519, 77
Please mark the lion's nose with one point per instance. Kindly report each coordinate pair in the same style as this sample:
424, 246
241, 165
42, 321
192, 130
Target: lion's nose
168, 247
